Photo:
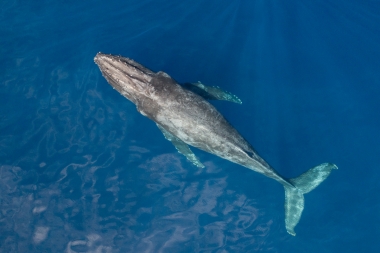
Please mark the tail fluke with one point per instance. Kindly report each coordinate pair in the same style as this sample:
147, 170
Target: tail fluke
294, 200
294, 203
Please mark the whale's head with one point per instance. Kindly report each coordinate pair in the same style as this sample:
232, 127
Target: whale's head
128, 77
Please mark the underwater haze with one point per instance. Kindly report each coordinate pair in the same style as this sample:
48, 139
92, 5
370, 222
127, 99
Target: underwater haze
82, 171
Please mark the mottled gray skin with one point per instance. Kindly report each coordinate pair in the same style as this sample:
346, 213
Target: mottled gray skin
185, 117
181, 112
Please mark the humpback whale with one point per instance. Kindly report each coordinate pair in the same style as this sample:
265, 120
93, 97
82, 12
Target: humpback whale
185, 118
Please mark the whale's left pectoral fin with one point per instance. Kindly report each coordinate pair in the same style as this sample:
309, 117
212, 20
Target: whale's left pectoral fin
211, 92
182, 147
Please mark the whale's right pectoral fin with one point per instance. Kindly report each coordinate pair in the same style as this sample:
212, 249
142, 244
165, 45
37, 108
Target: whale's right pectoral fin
211, 92
182, 147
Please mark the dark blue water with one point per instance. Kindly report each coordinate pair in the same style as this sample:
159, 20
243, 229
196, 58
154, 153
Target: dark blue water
82, 171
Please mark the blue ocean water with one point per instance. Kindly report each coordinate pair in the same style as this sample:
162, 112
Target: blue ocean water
82, 171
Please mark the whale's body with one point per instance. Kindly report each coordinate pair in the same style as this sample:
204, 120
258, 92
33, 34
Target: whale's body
186, 118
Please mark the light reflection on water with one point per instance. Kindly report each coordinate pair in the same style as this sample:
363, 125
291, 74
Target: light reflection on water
158, 211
